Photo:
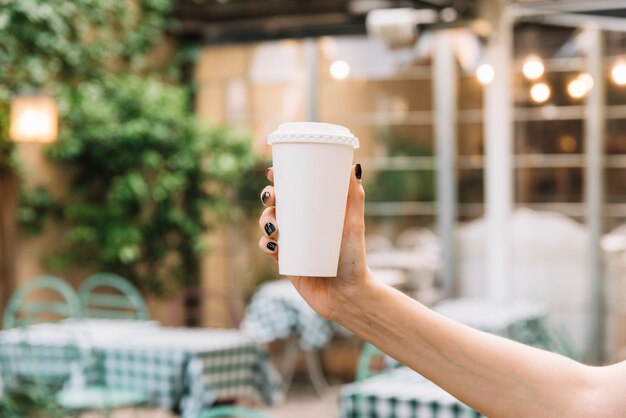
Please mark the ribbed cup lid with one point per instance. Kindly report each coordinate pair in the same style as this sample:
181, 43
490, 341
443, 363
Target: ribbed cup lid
313, 132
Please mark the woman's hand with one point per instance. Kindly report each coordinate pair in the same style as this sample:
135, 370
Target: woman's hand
327, 295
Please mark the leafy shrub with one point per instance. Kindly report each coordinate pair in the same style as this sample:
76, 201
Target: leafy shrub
149, 181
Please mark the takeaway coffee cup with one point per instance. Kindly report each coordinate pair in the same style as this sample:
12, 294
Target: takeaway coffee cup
312, 166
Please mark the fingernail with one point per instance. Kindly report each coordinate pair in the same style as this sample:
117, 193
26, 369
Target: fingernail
269, 229
357, 171
265, 196
271, 246
267, 170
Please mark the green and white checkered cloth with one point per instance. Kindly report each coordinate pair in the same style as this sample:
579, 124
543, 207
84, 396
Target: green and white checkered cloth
403, 393
400, 393
180, 369
277, 311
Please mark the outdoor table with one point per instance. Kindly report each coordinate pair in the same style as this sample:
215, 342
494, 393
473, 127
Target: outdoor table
399, 393
403, 393
278, 312
524, 322
180, 369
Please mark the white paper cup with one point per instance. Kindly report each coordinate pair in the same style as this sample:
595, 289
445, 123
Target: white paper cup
312, 165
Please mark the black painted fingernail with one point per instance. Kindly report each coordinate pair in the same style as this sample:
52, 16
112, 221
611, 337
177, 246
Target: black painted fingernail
269, 229
271, 246
357, 171
265, 196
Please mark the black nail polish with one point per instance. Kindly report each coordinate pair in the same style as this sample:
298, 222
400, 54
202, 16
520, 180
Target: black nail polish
271, 246
357, 171
265, 196
269, 229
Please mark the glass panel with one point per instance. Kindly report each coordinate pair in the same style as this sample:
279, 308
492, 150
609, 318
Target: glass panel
549, 137
549, 185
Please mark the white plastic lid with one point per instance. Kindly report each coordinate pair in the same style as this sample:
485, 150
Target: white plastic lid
313, 132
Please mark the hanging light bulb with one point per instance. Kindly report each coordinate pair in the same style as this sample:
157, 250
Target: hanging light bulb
540, 92
618, 73
485, 74
587, 80
339, 70
580, 86
533, 67
577, 89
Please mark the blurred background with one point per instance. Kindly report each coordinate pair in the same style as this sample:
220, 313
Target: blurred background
493, 145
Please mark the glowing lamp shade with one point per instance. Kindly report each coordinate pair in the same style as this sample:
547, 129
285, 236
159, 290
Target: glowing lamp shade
339, 70
485, 73
33, 119
533, 68
540, 92
618, 73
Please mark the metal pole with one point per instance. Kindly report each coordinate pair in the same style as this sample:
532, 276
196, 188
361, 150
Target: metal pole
498, 134
594, 191
311, 62
445, 104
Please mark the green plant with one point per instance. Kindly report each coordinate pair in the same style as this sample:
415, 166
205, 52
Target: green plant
402, 185
149, 181
48, 44
29, 399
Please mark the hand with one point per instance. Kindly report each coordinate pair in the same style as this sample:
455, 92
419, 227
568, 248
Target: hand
327, 295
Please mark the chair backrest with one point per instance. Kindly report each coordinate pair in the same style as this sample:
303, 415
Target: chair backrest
232, 411
109, 296
367, 365
21, 311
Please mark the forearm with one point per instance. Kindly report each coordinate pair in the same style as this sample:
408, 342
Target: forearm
498, 377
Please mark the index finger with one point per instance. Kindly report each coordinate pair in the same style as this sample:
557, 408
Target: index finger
269, 173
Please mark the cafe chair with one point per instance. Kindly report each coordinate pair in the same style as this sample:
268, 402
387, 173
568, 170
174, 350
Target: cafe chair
60, 303
232, 411
109, 296
25, 386
371, 362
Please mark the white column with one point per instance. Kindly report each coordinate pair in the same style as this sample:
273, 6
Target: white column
445, 104
594, 192
498, 134
311, 63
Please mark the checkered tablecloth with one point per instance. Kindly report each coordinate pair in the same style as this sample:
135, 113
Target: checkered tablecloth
180, 369
400, 393
277, 311
403, 393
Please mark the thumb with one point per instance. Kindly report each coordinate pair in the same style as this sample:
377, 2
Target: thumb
355, 210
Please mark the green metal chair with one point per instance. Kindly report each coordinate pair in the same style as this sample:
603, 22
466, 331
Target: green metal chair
232, 411
109, 296
21, 311
26, 387
366, 361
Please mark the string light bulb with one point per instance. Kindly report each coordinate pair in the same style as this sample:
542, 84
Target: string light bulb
576, 88
618, 73
580, 86
485, 74
540, 92
339, 70
533, 67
